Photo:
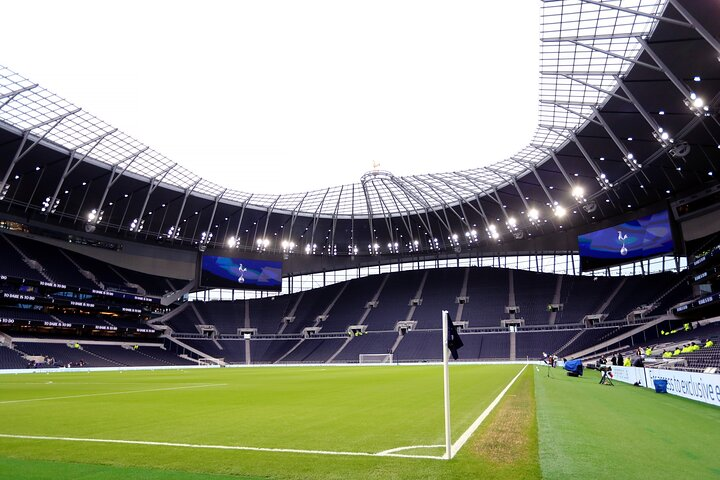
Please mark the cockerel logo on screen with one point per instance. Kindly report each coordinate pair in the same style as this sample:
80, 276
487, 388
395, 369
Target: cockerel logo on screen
621, 239
242, 273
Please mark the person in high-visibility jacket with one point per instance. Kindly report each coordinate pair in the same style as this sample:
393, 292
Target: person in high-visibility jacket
709, 343
648, 351
627, 362
676, 352
667, 354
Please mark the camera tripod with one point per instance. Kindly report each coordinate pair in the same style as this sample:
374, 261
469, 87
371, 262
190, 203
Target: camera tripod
606, 379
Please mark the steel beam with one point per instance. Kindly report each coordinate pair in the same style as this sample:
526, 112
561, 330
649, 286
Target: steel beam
711, 39
615, 55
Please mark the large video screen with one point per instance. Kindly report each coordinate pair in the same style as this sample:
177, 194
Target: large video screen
240, 273
643, 237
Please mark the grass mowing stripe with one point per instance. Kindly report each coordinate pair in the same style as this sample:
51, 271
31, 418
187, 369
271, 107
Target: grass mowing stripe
322, 409
386, 453
14, 469
467, 433
598, 432
40, 399
186, 445
505, 445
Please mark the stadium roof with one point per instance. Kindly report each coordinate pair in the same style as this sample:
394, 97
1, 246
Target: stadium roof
627, 90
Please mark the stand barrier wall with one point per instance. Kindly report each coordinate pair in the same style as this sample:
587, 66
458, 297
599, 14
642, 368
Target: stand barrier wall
702, 387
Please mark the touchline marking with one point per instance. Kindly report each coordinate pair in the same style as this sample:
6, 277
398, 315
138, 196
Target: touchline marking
113, 393
211, 447
466, 435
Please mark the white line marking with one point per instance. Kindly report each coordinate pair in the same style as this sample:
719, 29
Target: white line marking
411, 447
466, 435
214, 447
113, 393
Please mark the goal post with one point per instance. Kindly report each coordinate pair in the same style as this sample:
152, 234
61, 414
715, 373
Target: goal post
375, 358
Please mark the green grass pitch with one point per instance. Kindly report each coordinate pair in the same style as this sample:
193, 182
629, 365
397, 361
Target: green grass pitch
306, 422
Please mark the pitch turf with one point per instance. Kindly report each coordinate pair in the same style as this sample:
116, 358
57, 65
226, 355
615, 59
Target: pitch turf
583, 430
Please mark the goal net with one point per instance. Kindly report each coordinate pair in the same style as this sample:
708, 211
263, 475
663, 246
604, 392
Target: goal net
376, 358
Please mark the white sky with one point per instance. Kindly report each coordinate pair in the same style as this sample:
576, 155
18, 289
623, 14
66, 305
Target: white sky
287, 96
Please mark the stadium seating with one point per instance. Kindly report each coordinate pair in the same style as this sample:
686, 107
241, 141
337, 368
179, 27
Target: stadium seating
442, 287
63, 266
488, 291
270, 351
487, 288
227, 316
703, 358
372, 342
13, 263
158, 356
315, 350
312, 304
266, 314
592, 336
581, 296
350, 307
533, 293
65, 355
11, 359
102, 272
393, 302
532, 344
55, 264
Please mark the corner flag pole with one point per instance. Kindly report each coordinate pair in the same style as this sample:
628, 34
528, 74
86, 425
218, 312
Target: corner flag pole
446, 384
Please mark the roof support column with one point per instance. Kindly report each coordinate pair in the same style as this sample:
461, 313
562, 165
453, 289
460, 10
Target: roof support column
212, 217
113, 179
19, 154
69, 167
696, 25
665, 70
154, 183
188, 191
237, 230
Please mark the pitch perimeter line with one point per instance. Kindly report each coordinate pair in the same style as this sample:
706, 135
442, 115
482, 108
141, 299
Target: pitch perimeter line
113, 393
466, 435
213, 447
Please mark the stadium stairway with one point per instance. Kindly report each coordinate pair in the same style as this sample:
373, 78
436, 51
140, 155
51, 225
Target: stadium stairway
202, 321
28, 261
174, 296
623, 336
368, 307
463, 294
603, 308
162, 320
140, 290
571, 341
397, 343
85, 273
291, 313
318, 320
194, 350
418, 295
556, 299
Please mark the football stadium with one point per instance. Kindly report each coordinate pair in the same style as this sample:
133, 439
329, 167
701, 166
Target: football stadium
552, 314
